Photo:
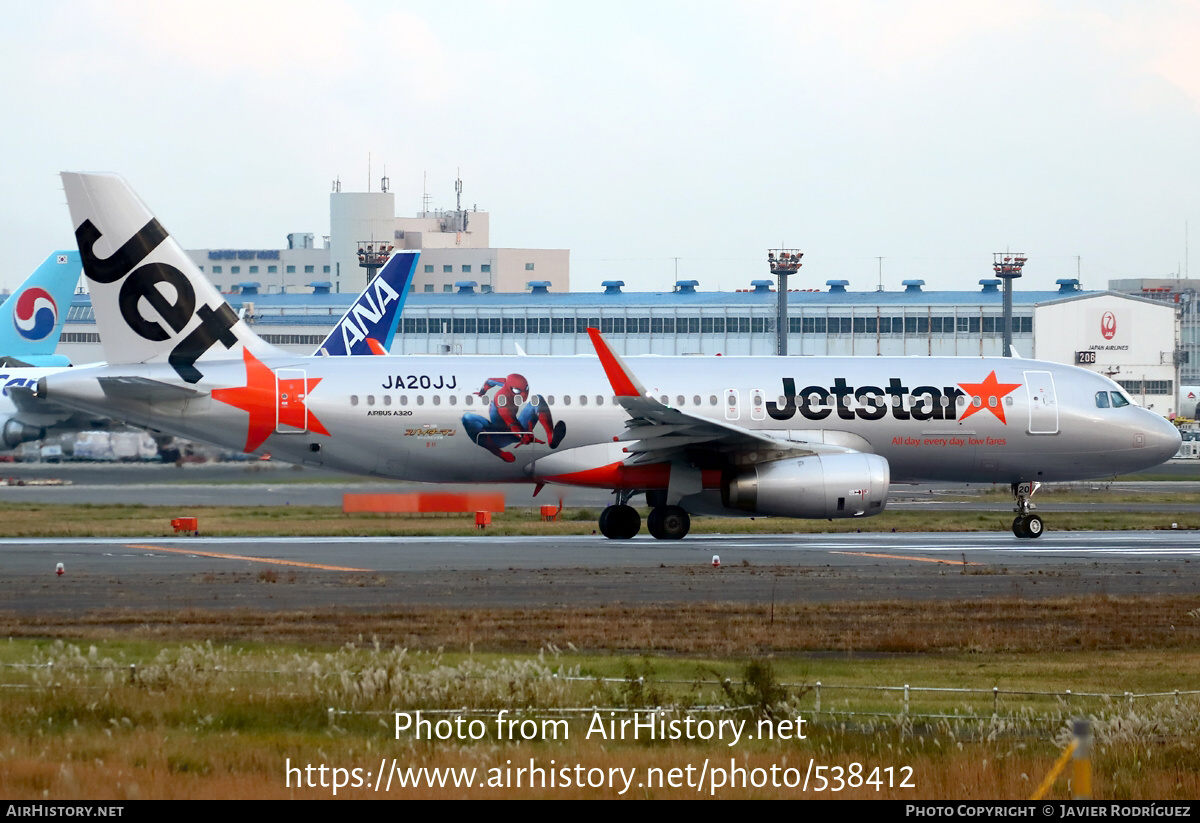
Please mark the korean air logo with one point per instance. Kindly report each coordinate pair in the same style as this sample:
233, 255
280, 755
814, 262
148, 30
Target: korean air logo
1108, 325
36, 314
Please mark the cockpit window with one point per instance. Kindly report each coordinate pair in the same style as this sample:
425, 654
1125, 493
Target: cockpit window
1102, 400
1119, 400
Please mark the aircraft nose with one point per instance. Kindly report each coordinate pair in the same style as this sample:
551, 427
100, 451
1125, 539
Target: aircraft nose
1162, 438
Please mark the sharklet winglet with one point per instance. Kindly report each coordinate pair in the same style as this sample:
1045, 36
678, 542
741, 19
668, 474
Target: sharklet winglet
624, 384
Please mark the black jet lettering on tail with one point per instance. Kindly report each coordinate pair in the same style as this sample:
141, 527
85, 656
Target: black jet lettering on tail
143, 283
113, 268
215, 324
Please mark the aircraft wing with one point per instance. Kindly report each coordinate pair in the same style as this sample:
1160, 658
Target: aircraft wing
658, 432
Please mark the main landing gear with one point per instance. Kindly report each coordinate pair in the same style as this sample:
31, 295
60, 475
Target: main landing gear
1026, 524
622, 521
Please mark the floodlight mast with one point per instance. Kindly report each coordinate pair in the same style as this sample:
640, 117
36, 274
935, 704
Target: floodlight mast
372, 256
1008, 266
783, 262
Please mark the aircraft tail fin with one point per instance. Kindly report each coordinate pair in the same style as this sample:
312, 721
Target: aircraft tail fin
376, 313
37, 310
152, 303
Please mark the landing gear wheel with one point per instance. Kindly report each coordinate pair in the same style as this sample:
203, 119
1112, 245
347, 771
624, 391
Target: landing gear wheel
1033, 526
620, 522
669, 523
1026, 525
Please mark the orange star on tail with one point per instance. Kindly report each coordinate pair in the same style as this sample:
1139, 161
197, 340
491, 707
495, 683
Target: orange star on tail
989, 389
262, 398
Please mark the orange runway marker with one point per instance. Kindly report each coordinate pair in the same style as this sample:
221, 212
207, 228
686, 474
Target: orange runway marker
271, 560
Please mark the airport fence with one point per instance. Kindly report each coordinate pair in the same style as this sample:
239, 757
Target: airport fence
544, 692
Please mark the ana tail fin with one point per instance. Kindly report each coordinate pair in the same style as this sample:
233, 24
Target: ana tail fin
375, 313
152, 304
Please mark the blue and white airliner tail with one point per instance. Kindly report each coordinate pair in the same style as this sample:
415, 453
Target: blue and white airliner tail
375, 314
32, 318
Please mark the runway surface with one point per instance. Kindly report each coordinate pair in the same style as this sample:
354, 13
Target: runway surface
371, 573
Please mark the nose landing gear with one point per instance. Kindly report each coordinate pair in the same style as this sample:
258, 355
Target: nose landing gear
1026, 524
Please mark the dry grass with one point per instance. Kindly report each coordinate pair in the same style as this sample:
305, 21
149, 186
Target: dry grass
985, 626
202, 721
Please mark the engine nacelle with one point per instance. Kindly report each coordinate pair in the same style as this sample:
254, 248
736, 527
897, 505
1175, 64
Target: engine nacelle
826, 486
14, 433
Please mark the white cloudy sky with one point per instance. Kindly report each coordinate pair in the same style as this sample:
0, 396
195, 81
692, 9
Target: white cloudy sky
930, 132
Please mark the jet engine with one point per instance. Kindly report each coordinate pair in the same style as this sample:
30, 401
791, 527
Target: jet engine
819, 485
14, 433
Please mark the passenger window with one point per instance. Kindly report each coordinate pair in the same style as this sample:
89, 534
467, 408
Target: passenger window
1102, 400
437, 400
469, 400
712, 400
387, 400
566, 399
1119, 400
370, 400
599, 400
666, 401
354, 400
499, 401
453, 399
696, 400
404, 400
420, 400
679, 401
583, 399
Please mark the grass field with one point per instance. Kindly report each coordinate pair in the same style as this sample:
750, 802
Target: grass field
139, 706
136, 719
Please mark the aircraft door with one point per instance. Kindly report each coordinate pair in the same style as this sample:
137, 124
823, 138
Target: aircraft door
733, 409
291, 409
1043, 404
758, 408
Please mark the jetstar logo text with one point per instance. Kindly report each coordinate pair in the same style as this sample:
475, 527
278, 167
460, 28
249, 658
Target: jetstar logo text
141, 287
902, 402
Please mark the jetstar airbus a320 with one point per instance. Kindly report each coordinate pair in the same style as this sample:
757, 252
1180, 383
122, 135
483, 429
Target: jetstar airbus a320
792, 437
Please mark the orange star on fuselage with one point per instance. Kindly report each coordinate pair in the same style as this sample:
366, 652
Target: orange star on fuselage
269, 401
986, 391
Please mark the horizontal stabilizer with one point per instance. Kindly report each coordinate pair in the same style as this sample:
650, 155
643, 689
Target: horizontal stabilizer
147, 390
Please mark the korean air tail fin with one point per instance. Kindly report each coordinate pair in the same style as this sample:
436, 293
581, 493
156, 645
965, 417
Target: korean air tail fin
35, 312
152, 303
376, 312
